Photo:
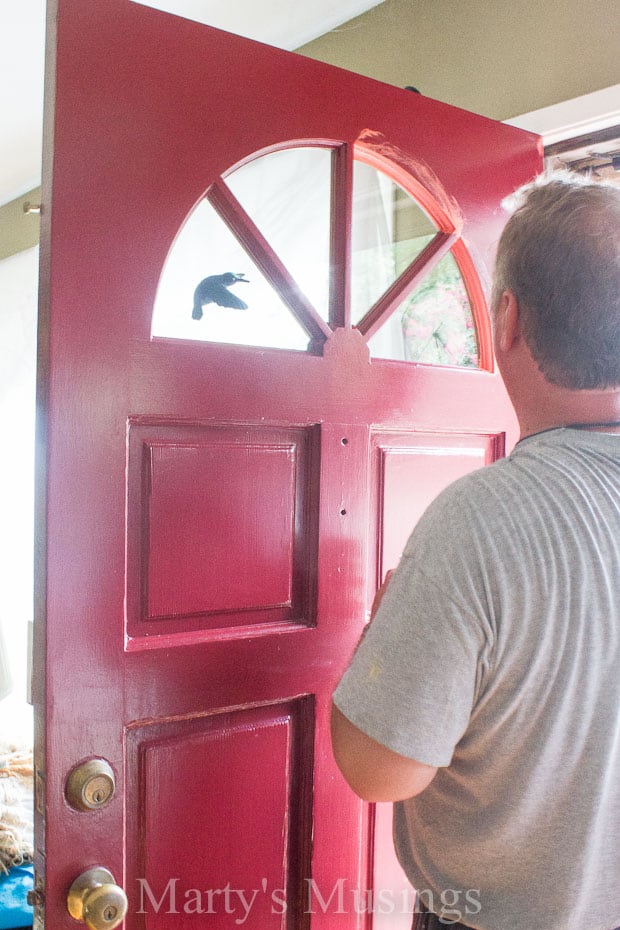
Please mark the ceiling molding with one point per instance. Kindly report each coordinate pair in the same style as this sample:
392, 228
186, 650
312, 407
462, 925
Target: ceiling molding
573, 118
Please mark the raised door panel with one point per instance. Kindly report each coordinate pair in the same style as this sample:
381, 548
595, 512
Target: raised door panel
409, 471
219, 822
222, 528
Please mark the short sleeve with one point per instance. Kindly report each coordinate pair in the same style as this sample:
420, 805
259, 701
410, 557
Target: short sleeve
412, 682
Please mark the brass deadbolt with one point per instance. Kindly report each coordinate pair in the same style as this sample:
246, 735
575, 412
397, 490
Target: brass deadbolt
96, 900
90, 786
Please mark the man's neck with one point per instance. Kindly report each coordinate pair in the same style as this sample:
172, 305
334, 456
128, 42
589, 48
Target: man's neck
559, 407
539, 404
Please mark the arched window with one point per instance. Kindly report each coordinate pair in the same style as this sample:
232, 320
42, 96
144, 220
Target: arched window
287, 247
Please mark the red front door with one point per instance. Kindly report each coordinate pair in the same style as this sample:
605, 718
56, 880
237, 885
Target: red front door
219, 497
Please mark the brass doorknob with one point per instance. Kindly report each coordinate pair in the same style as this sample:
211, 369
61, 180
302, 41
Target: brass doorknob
96, 900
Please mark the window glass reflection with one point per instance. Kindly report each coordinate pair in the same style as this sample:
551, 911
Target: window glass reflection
287, 195
434, 325
389, 231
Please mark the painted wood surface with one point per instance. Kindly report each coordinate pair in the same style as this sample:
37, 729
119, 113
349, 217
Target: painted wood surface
213, 520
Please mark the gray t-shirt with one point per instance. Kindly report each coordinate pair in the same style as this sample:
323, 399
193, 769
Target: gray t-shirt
495, 655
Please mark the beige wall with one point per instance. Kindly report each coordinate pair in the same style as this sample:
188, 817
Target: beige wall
499, 58
19, 230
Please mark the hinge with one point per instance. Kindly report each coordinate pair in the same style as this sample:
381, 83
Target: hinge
36, 899
39, 791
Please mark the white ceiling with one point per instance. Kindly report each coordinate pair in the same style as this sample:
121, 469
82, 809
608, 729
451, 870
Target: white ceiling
284, 23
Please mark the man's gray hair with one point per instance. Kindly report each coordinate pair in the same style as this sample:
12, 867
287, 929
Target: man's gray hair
559, 254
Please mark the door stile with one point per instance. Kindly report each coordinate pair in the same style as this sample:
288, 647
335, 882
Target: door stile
340, 868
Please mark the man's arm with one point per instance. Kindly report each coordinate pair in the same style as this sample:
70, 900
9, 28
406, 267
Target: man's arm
374, 772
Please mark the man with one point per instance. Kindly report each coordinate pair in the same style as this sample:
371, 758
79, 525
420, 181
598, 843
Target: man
485, 697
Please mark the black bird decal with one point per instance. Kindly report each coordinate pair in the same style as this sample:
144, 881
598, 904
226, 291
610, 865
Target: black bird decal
214, 290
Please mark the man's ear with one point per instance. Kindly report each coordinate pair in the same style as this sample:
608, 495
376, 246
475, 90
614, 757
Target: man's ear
507, 322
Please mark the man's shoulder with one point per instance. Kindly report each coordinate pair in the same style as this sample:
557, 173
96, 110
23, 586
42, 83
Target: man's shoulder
482, 489
543, 479
467, 511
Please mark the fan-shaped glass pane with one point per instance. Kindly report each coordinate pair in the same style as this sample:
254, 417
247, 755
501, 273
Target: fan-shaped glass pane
211, 290
389, 231
287, 195
434, 324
